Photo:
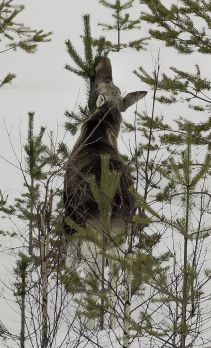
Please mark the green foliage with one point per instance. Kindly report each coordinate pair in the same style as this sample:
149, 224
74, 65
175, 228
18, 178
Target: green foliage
170, 173
7, 79
42, 164
35, 151
200, 133
85, 67
76, 119
40, 157
95, 299
4, 208
183, 179
171, 22
72, 282
146, 122
17, 35
180, 172
92, 308
122, 22
93, 48
183, 86
105, 191
21, 271
38, 210
14, 35
146, 267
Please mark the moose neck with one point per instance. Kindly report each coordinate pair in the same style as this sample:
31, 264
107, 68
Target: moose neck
100, 131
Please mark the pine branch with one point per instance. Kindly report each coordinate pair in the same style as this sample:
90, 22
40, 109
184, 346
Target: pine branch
7, 79
179, 19
122, 22
19, 35
74, 55
87, 39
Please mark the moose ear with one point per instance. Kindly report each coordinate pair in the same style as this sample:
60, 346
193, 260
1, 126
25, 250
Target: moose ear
131, 98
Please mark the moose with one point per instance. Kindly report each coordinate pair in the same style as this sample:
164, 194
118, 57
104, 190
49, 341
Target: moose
98, 138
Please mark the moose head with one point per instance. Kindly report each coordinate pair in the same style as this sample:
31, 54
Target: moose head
103, 91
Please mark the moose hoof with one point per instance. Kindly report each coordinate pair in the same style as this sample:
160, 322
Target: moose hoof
100, 101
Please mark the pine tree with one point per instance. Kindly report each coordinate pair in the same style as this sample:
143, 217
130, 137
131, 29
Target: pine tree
122, 22
40, 267
144, 270
38, 209
93, 48
103, 194
175, 20
86, 65
21, 287
169, 24
185, 182
185, 175
15, 35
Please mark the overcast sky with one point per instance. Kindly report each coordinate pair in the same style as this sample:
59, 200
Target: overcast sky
42, 84
45, 87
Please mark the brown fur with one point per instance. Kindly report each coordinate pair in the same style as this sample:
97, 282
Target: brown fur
98, 137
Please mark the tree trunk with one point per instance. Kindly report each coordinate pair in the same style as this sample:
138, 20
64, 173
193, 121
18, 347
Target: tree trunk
128, 284
44, 246
23, 310
185, 259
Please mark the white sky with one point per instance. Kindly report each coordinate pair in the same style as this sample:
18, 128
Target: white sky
45, 87
42, 84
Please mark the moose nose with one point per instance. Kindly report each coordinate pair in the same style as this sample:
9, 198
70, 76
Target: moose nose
100, 100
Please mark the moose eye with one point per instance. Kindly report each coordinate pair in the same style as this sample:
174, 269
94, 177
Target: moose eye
108, 80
